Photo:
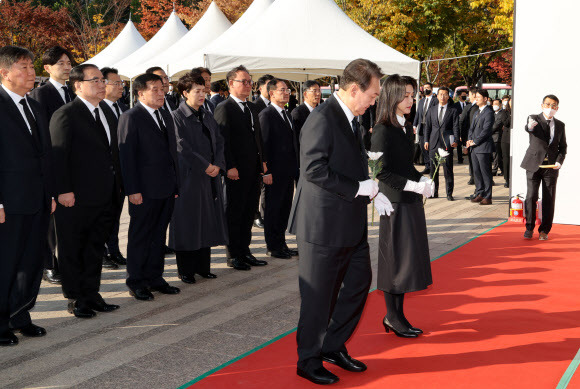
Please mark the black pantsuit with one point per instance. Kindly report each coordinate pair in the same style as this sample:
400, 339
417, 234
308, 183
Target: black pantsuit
82, 231
145, 248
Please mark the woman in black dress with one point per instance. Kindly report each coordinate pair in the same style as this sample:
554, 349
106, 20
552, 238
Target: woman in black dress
199, 221
404, 264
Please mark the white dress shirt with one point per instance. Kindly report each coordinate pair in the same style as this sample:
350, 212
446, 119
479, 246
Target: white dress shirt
347, 111
280, 111
152, 113
402, 120
110, 104
17, 98
101, 115
439, 110
59, 89
309, 107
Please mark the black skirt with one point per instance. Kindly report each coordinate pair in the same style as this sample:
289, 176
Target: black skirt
404, 262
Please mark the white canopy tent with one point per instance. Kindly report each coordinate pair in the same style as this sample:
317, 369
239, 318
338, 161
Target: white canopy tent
127, 42
307, 49
172, 31
252, 16
211, 25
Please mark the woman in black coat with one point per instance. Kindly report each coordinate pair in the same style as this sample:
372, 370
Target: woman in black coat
198, 218
404, 264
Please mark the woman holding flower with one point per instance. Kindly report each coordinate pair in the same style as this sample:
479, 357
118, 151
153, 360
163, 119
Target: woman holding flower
404, 263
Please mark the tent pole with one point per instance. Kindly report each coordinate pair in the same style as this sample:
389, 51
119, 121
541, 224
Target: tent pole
131, 93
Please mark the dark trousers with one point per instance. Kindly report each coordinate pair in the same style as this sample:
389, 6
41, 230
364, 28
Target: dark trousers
447, 172
112, 246
470, 162
334, 284
497, 159
459, 150
50, 261
22, 242
243, 196
82, 233
278, 205
424, 152
191, 262
262, 206
505, 154
482, 174
146, 243
547, 178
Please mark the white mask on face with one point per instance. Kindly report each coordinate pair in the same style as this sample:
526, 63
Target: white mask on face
496, 108
549, 112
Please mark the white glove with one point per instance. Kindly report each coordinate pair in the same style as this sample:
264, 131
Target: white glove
531, 123
424, 179
367, 188
422, 188
558, 166
383, 205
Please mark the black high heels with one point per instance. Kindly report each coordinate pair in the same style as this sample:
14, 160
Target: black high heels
407, 333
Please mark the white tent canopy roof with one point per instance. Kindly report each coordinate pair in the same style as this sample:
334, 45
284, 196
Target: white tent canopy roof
172, 31
252, 16
211, 25
308, 49
127, 42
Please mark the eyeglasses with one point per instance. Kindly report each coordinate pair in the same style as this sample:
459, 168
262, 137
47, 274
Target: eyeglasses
118, 83
315, 91
283, 90
246, 82
96, 81
553, 106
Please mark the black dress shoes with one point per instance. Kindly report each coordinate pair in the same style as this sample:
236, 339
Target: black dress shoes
119, 259
207, 275
319, 376
168, 250
506, 185
32, 330
252, 261
406, 333
166, 289
51, 276
101, 306
259, 223
418, 331
7, 338
80, 311
142, 294
188, 279
450, 198
238, 264
109, 264
471, 182
281, 254
342, 359
293, 253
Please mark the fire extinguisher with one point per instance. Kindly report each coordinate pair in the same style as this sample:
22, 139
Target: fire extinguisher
539, 212
517, 207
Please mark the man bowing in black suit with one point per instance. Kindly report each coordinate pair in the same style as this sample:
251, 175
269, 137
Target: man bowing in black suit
312, 97
246, 166
281, 145
88, 184
442, 132
547, 147
57, 62
329, 218
481, 143
25, 194
112, 103
148, 152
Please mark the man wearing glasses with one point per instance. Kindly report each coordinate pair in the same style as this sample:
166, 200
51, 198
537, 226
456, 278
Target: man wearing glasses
281, 146
88, 184
542, 162
246, 166
113, 104
312, 96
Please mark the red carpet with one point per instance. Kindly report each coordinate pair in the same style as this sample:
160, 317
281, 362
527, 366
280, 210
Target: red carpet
503, 312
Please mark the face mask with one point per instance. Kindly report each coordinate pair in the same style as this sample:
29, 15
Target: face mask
463, 98
549, 112
427, 92
496, 108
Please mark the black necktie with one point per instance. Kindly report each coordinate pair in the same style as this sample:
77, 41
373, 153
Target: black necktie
286, 120
549, 134
355, 127
248, 114
66, 95
31, 123
441, 115
424, 110
100, 123
116, 106
161, 124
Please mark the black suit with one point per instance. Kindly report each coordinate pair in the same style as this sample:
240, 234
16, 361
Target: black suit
419, 123
367, 122
86, 163
216, 99
330, 223
502, 118
480, 132
460, 143
505, 147
149, 162
542, 152
25, 193
171, 103
50, 100
243, 151
281, 145
465, 120
112, 246
299, 116
208, 106
260, 105
442, 135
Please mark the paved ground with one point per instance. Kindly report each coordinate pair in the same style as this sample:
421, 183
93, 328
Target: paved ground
173, 339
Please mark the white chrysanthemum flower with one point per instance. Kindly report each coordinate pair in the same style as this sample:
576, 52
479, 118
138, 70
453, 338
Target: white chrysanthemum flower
443, 153
374, 156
